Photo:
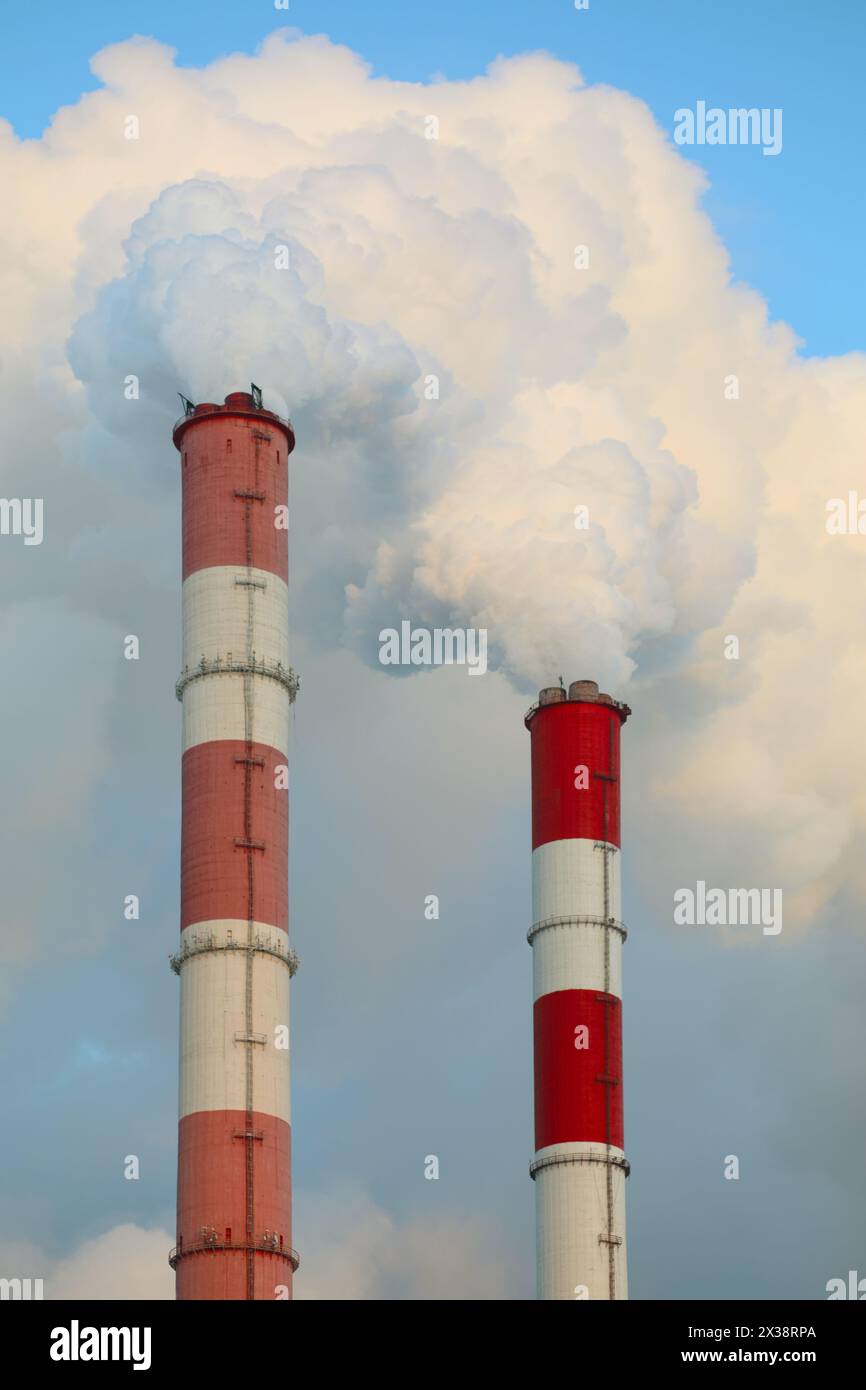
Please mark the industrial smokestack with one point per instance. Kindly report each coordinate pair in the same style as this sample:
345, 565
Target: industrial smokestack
234, 1158
576, 937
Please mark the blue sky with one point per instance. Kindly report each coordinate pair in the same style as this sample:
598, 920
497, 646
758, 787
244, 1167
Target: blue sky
793, 224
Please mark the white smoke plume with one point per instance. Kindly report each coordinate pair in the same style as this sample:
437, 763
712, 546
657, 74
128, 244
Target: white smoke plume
462, 378
460, 387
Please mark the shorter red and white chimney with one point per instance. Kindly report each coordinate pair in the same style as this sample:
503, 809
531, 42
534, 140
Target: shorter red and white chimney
576, 936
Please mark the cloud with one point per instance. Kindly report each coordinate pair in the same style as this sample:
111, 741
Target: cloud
358, 1251
127, 1262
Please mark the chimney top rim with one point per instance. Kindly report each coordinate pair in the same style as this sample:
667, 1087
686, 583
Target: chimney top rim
582, 692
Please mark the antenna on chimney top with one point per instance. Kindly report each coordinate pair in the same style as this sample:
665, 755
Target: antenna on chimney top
188, 406
256, 392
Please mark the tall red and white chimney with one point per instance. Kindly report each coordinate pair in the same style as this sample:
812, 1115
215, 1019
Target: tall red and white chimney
234, 1212
576, 937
